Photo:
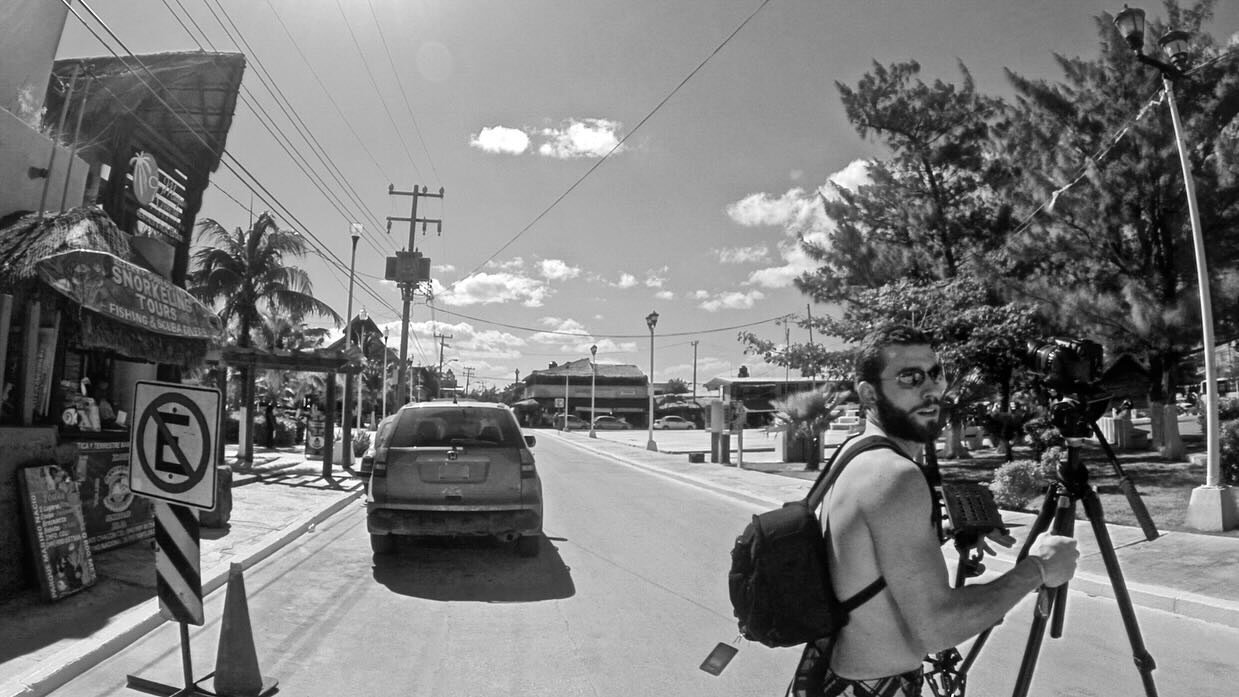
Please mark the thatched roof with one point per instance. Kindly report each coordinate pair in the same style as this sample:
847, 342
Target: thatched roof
186, 99
32, 238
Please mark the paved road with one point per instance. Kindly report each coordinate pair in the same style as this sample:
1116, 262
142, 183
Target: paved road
626, 599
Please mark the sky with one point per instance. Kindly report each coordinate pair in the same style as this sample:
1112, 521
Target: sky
599, 160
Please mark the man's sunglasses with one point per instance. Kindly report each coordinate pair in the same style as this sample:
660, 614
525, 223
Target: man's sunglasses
915, 377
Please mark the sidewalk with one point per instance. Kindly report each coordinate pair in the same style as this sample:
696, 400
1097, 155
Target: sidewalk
47, 644
283, 496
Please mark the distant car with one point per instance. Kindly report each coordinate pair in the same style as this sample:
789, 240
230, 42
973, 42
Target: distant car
610, 423
673, 423
444, 469
574, 422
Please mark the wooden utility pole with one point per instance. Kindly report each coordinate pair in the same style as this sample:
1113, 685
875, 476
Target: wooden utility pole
409, 276
441, 338
694, 343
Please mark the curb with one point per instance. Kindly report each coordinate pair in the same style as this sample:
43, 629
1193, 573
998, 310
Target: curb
142, 619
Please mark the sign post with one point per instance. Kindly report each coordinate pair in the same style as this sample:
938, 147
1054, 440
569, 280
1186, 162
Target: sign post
174, 447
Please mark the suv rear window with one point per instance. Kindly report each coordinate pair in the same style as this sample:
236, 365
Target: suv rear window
455, 425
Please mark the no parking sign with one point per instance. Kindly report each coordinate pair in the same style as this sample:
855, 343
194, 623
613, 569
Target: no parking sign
173, 443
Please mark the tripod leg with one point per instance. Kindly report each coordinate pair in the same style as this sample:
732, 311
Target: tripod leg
1128, 487
1063, 515
1042, 522
1144, 662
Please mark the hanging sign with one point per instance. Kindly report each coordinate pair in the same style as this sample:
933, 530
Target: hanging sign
145, 177
128, 293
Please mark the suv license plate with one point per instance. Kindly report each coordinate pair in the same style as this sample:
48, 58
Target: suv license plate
454, 470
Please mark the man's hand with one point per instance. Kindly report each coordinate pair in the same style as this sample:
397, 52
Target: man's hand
999, 536
1058, 556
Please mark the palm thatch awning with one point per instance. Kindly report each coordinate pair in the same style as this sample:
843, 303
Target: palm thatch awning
186, 98
33, 239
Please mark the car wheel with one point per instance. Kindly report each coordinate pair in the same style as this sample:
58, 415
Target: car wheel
382, 544
529, 545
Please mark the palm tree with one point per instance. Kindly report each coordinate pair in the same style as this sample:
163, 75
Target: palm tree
248, 273
245, 274
806, 415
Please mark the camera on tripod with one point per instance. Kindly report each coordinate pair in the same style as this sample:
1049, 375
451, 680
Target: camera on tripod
1072, 368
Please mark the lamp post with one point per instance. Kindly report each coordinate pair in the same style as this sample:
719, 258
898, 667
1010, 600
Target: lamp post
384, 409
593, 387
566, 371
361, 343
651, 320
346, 445
1206, 509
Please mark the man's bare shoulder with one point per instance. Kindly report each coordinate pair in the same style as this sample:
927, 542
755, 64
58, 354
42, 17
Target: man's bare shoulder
881, 475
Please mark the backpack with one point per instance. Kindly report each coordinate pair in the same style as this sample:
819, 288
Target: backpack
779, 580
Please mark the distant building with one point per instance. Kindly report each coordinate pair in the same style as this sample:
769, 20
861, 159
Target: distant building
618, 390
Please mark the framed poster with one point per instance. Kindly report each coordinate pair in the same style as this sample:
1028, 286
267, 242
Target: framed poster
112, 514
55, 530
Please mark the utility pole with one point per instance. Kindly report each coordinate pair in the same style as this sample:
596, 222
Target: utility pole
409, 269
468, 371
694, 343
808, 310
441, 338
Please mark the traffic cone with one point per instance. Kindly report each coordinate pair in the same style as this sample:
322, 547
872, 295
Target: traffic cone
236, 661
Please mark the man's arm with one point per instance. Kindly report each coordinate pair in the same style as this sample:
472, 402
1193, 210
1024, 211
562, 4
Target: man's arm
897, 512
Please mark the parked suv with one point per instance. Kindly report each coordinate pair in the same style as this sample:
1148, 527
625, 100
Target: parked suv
454, 469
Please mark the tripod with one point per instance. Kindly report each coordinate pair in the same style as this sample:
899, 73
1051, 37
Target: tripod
1061, 496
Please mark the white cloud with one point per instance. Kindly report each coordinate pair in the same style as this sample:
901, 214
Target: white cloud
800, 214
742, 255
654, 278
626, 280
580, 138
732, 300
494, 288
665, 295
500, 139
557, 270
514, 264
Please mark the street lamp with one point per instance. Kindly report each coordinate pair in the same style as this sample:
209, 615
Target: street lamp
346, 436
384, 410
593, 386
361, 343
651, 320
566, 371
1207, 509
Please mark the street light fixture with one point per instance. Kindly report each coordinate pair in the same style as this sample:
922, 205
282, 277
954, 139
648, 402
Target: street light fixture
346, 445
651, 320
1207, 509
593, 387
566, 372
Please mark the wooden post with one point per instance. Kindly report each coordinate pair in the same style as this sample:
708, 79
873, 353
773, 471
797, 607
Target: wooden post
30, 346
329, 426
6, 316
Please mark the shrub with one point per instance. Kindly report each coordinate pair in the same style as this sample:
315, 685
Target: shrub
1227, 410
285, 431
1016, 483
1229, 451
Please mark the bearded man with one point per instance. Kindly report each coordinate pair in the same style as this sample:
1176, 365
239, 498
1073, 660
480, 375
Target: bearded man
879, 524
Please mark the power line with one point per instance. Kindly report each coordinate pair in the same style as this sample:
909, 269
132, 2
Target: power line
602, 336
399, 83
370, 74
617, 145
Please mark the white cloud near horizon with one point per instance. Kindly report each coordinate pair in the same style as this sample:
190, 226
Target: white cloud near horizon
500, 139
495, 288
626, 280
557, 270
730, 300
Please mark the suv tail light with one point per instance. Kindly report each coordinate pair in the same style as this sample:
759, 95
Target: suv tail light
527, 469
380, 468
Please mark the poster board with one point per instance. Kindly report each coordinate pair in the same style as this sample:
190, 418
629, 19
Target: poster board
113, 515
55, 530
315, 434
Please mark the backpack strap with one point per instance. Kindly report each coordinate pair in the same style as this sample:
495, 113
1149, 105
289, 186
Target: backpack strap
838, 461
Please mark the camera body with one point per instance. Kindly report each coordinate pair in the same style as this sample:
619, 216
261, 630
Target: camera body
1071, 367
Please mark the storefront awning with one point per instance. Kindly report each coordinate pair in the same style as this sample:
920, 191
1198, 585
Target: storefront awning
128, 293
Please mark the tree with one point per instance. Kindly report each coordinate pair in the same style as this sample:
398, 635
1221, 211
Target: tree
246, 275
1112, 252
677, 386
931, 205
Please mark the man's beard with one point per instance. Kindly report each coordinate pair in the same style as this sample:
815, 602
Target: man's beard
901, 424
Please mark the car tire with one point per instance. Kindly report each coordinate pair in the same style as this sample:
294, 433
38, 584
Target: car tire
382, 544
529, 545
